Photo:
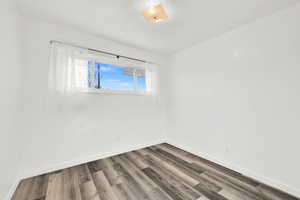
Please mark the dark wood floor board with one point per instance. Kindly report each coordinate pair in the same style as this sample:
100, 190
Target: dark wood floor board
182, 167
112, 176
146, 183
132, 194
177, 151
270, 193
103, 187
145, 186
23, 189
96, 166
165, 185
178, 160
186, 189
129, 180
157, 193
70, 185
230, 175
210, 194
55, 187
207, 164
172, 170
86, 183
83, 173
234, 189
210, 185
142, 152
236, 183
159, 172
39, 187
88, 191
230, 195
210, 165
122, 193
140, 164
135, 157
173, 148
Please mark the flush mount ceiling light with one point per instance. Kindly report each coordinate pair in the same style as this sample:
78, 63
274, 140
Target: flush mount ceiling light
155, 14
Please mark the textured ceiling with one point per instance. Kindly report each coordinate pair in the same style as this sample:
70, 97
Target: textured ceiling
190, 20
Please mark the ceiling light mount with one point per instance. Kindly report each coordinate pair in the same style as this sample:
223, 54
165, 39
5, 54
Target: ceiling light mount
155, 14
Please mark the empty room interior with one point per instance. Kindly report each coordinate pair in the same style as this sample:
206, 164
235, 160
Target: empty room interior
150, 100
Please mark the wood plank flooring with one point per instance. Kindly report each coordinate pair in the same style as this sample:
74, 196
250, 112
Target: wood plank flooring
160, 172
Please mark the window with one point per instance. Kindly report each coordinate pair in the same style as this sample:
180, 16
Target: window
117, 78
75, 69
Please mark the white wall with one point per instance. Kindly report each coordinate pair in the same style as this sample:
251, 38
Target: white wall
236, 99
70, 129
10, 71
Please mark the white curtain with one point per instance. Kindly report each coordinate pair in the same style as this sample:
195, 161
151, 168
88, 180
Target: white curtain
69, 71
68, 68
152, 79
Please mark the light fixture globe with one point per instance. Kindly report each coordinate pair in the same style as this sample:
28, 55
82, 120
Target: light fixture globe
155, 14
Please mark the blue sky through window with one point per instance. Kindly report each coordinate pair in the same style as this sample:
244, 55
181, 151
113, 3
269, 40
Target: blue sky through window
114, 78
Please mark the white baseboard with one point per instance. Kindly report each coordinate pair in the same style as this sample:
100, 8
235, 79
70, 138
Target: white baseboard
89, 158
12, 189
276, 184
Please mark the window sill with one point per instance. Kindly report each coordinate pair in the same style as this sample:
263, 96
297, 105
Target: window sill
117, 92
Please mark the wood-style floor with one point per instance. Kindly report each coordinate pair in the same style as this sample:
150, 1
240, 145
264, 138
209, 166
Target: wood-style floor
161, 172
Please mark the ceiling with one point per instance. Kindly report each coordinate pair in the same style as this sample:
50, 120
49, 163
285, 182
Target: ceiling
190, 20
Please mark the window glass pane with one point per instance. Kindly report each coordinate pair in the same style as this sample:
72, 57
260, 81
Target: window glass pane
141, 80
116, 77
111, 77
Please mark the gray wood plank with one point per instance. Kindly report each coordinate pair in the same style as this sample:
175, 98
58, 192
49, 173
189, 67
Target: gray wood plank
159, 172
164, 184
270, 193
103, 187
127, 179
187, 191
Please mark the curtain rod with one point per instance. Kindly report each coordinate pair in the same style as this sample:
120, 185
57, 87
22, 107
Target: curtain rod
100, 51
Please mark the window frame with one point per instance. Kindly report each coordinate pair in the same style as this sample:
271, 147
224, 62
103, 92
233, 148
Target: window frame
65, 77
117, 92
116, 63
